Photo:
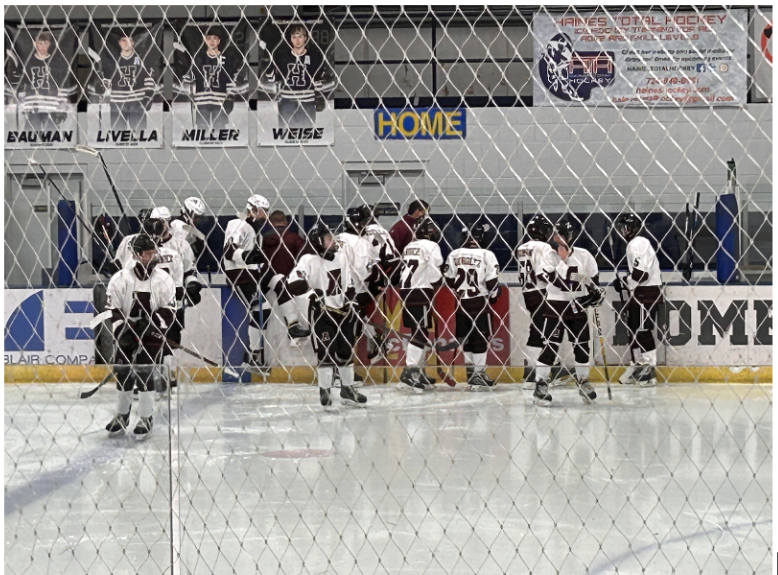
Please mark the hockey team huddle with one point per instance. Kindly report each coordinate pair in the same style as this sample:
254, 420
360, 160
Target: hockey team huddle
330, 293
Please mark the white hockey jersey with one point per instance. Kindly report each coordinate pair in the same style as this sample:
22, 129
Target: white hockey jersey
169, 259
333, 277
187, 232
531, 256
187, 256
641, 256
472, 268
361, 257
422, 260
576, 272
242, 235
129, 297
382, 243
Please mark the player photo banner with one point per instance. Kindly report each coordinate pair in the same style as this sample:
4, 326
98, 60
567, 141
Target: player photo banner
640, 58
124, 88
296, 84
762, 35
40, 88
210, 84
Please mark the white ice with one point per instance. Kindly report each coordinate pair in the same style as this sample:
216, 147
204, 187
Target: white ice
676, 477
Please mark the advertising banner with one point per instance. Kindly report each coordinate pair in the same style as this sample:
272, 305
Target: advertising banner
762, 45
210, 84
296, 84
40, 88
124, 109
644, 59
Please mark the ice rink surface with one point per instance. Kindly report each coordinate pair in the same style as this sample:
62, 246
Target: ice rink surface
265, 481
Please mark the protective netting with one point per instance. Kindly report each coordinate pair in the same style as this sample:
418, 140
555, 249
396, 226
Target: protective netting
482, 117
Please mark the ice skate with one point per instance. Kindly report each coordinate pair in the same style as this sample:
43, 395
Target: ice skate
349, 396
410, 380
585, 390
478, 383
324, 397
429, 382
628, 377
118, 424
541, 394
645, 376
143, 428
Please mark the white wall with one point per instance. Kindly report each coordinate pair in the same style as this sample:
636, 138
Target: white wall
588, 159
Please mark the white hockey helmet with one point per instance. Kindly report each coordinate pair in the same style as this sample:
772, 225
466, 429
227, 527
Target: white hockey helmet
257, 201
194, 206
161, 213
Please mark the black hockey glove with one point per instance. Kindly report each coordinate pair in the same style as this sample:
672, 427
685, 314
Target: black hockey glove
255, 256
597, 295
619, 285
127, 340
193, 292
296, 331
495, 295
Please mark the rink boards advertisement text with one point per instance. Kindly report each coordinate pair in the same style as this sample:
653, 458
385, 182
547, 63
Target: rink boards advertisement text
706, 326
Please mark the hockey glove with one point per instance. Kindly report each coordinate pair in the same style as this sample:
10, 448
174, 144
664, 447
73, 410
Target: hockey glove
127, 341
255, 256
597, 295
193, 292
495, 295
296, 331
619, 285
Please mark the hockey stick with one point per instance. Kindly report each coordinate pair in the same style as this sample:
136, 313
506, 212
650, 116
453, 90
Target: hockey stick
437, 347
687, 272
228, 370
598, 325
91, 392
178, 46
123, 225
443, 375
98, 68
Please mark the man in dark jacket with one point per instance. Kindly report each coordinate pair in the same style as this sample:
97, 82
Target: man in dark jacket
282, 246
402, 231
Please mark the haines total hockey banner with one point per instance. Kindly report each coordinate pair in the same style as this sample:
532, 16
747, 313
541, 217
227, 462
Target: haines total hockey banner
635, 58
40, 87
124, 89
210, 84
296, 84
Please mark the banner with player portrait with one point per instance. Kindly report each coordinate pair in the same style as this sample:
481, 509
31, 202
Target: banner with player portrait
124, 88
631, 58
762, 60
40, 87
296, 84
210, 83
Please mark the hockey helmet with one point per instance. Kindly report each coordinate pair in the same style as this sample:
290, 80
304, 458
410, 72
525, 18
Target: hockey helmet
257, 202
568, 229
141, 244
161, 213
194, 206
540, 228
427, 229
317, 237
357, 219
475, 236
628, 225
155, 229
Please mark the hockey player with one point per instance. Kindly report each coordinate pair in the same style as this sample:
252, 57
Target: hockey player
213, 79
420, 276
129, 86
44, 86
301, 78
472, 273
328, 273
572, 288
141, 298
185, 225
246, 265
531, 256
643, 287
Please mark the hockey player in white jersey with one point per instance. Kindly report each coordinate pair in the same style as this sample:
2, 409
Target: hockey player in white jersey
420, 277
246, 268
185, 225
471, 272
572, 288
643, 287
141, 299
532, 256
327, 273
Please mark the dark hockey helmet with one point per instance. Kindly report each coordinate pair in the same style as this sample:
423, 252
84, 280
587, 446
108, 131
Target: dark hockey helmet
427, 229
155, 228
357, 219
540, 228
317, 237
474, 236
569, 229
141, 244
628, 225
